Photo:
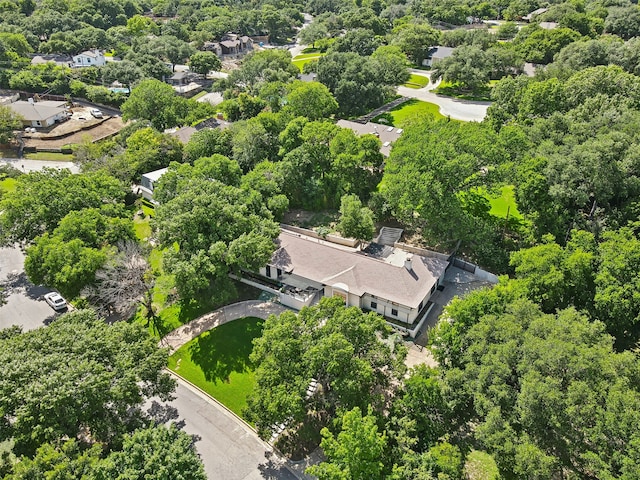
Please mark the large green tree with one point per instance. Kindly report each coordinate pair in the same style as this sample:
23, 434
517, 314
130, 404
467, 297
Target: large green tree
42, 199
79, 378
155, 101
9, 123
341, 348
211, 229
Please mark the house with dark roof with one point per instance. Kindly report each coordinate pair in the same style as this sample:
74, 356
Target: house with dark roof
393, 282
40, 114
435, 54
230, 45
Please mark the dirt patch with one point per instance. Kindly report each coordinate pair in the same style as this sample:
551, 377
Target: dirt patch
311, 220
102, 129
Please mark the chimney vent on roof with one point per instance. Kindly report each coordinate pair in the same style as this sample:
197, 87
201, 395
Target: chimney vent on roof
407, 262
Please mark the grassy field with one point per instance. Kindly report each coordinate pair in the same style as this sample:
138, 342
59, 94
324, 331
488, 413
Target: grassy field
52, 156
199, 95
502, 201
417, 81
453, 90
402, 114
218, 362
304, 58
481, 466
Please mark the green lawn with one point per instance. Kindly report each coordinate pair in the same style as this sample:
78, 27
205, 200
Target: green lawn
502, 201
52, 156
417, 81
304, 58
481, 466
199, 95
454, 90
404, 113
8, 185
218, 362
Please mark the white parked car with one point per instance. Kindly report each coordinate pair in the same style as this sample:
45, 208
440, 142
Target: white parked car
96, 113
55, 301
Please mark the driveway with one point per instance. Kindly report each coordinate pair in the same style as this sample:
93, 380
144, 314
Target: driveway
25, 306
229, 449
26, 166
465, 110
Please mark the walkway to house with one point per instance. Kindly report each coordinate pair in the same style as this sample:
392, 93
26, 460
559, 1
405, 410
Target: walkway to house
235, 311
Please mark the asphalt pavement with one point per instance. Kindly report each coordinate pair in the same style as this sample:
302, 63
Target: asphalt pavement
25, 304
230, 450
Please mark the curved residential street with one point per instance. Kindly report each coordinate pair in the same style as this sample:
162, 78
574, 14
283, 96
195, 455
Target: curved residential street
229, 449
465, 110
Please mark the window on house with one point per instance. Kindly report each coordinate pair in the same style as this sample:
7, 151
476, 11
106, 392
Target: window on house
394, 312
420, 306
374, 305
279, 272
269, 271
433, 289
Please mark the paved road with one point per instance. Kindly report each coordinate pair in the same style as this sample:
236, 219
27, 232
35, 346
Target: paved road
26, 165
465, 110
230, 450
25, 306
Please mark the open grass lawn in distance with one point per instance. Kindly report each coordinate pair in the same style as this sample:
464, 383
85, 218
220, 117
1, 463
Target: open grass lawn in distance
51, 156
453, 90
406, 111
218, 362
300, 60
417, 81
502, 202
481, 466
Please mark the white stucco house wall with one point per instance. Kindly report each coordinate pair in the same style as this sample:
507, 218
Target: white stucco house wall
89, 58
397, 284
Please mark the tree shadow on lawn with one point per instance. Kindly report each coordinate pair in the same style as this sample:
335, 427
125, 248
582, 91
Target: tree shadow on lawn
226, 349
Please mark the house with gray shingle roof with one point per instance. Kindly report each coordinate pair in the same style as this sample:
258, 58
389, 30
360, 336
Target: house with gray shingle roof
40, 114
393, 282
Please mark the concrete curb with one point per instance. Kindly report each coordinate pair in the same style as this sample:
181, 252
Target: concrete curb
288, 464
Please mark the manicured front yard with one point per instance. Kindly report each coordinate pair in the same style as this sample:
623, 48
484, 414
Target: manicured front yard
502, 202
417, 81
218, 362
300, 60
51, 156
404, 113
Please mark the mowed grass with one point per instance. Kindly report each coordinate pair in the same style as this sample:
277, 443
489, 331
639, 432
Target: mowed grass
51, 156
417, 81
218, 362
481, 466
301, 60
503, 203
410, 110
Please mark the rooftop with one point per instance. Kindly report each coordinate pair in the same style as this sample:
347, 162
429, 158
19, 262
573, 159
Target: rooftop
386, 134
37, 110
155, 175
385, 277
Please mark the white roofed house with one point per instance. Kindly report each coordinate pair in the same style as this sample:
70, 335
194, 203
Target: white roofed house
148, 181
390, 281
89, 58
41, 114
435, 54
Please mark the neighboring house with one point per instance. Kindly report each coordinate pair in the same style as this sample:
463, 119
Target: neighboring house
231, 45
535, 13
183, 134
147, 184
90, 58
40, 114
58, 59
435, 54
387, 280
386, 134
179, 79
